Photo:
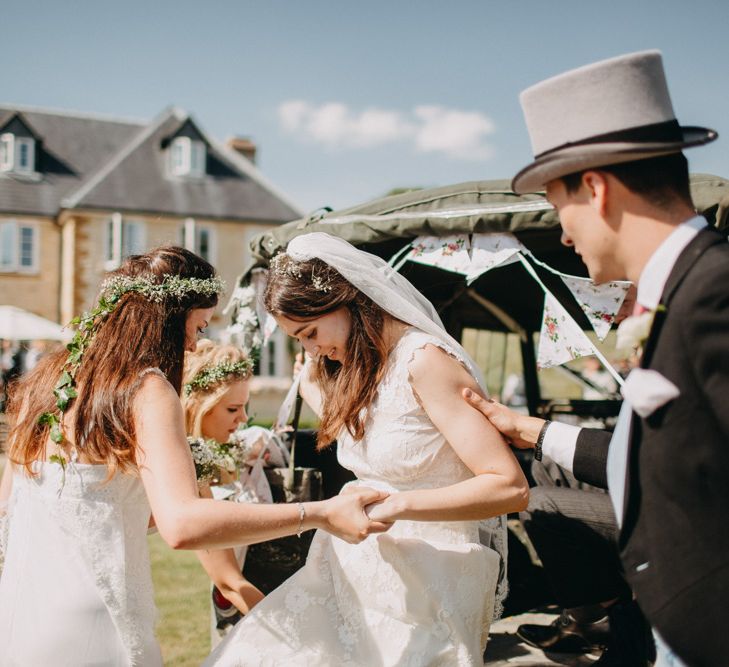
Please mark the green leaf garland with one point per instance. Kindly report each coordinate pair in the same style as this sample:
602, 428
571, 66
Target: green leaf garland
171, 287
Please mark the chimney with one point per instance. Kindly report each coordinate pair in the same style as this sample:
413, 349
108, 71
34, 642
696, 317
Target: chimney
243, 146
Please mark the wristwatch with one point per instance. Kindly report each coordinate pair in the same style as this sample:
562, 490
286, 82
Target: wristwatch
540, 440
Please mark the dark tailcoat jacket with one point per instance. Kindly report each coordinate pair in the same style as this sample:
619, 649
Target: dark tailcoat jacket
674, 539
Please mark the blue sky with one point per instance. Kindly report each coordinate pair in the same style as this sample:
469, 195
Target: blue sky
346, 100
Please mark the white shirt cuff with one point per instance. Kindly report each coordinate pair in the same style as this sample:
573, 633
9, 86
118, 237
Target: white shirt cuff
559, 444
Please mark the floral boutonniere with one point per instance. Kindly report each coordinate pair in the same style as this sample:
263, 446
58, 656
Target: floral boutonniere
633, 331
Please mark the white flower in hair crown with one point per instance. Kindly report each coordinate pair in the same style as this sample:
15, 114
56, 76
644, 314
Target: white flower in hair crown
284, 264
633, 331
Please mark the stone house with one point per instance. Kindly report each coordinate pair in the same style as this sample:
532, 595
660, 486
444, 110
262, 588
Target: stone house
79, 192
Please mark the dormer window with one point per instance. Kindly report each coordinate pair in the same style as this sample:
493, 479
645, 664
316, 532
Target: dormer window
187, 157
17, 154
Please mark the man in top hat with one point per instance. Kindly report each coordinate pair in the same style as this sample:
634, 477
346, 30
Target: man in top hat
608, 152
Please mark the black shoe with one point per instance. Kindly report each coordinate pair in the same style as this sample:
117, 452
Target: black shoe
226, 615
630, 643
565, 635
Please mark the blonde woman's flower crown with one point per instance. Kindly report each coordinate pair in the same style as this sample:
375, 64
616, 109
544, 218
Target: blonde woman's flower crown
211, 375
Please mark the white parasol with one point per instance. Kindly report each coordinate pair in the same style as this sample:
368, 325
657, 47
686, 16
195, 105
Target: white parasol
19, 324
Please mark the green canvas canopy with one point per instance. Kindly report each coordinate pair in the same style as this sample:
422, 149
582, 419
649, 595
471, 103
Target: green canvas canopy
503, 299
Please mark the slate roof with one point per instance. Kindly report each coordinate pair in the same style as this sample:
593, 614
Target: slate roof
92, 162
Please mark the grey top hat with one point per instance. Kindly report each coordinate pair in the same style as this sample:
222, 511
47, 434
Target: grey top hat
613, 111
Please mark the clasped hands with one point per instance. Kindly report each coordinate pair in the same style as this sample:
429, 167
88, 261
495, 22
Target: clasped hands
360, 511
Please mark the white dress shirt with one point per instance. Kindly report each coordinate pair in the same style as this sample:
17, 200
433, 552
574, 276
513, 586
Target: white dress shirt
560, 439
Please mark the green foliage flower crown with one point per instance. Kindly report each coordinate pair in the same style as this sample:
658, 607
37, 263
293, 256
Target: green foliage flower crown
171, 287
212, 375
112, 290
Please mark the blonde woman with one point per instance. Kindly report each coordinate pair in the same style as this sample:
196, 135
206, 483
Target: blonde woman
214, 398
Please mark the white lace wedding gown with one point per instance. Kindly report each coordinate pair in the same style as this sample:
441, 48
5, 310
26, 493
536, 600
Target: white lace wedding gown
76, 588
419, 595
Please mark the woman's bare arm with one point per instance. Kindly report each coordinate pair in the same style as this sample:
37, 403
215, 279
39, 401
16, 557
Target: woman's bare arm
498, 485
186, 521
222, 567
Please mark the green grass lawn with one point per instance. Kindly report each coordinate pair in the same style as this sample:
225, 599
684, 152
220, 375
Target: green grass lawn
182, 594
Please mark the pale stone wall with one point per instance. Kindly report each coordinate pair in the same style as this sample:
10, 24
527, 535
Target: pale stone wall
84, 265
37, 292
229, 254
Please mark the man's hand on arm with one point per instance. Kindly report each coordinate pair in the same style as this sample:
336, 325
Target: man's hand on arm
558, 440
520, 430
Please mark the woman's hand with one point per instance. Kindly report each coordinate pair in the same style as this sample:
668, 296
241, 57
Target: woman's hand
344, 515
387, 510
244, 596
298, 364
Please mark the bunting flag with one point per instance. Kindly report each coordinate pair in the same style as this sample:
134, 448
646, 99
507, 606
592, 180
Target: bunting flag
600, 303
561, 338
491, 250
446, 252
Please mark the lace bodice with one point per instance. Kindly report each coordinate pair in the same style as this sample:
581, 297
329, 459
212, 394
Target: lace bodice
402, 449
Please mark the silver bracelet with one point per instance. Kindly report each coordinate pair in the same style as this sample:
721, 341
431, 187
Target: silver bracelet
302, 516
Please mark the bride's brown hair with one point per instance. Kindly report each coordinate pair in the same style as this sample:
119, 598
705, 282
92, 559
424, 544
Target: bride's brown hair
306, 290
139, 333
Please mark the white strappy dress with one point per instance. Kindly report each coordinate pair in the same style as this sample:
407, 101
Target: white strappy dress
76, 586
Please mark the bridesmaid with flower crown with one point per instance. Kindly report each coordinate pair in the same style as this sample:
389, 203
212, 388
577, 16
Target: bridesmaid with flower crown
97, 444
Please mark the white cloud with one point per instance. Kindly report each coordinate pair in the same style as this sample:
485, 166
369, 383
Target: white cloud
292, 114
334, 125
429, 129
459, 134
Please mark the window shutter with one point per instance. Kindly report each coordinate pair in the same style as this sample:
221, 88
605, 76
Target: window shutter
8, 246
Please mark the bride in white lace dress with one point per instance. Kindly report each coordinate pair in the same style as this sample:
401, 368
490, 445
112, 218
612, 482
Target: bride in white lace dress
386, 383
76, 589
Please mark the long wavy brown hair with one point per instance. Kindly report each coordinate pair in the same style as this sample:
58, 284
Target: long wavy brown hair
138, 334
295, 291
